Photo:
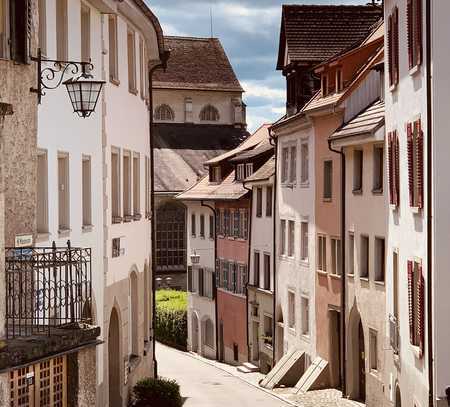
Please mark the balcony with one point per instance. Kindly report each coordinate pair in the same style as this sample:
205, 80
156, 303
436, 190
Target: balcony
394, 334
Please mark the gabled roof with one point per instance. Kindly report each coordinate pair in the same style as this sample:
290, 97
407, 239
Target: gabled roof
182, 148
196, 63
314, 33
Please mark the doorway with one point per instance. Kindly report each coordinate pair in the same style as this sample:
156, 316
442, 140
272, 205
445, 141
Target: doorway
115, 399
357, 357
335, 348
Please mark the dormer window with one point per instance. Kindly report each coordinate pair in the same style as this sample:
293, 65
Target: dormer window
248, 169
215, 174
324, 85
240, 172
210, 114
164, 112
338, 80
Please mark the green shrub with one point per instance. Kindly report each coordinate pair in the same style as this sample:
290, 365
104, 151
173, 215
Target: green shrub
171, 318
157, 393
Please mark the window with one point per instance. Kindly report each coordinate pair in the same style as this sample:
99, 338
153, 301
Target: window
244, 223
338, 80
237, 224
269, 194
266, 271
142, 65
395, 283
256, 268
364, 257
357, 171
284, 164
164, 112
268, 330
414, 31
304, 151
113, 49
136, 186
131, 53
211, 227
324, 85
188, 110
201, 287
293, 165
209, 113
63, 193
378, 163
115, 186
291, 237
393, 48
336, 264
85, 32
305, 316
147, 187
322, 255
15, 30
202, 225
116, 251
4, 29
291, 305
248, 169
415, 163
193, 225
240, 172
209, 333
215, 174
42, 5
61, 30
283, 237
327, 179
373, 351
351, 254
394, 168
42, 192
126, 186
291, 90
380, 260
304, 241
259, 202
227, 222
416, 303
86, 191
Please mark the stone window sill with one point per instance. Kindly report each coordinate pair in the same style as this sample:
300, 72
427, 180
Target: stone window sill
64, 232
87, 228
114, 81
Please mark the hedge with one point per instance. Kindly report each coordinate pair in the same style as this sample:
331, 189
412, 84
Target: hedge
171, 318
156, 393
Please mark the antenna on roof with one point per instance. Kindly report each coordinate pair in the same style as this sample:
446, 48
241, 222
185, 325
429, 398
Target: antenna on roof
211, 18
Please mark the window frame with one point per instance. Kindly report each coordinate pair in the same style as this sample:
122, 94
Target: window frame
378, 168
63, 195
304, 165
336, 256
62, 43
328, 163
269, 198
322, 253
259, 205
358, 170
379, 259
131, 58
364, 256
85, 32
304, 241
113, 49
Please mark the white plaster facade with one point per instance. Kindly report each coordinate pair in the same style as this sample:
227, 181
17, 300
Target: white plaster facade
200, 307
296, 202
120, 122
407, 227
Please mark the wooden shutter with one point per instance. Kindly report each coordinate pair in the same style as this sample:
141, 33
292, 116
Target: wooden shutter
420, 312
418, 31
410, 141
396, 148
390, 51
410, 32
419, 158
391, 168
411, 300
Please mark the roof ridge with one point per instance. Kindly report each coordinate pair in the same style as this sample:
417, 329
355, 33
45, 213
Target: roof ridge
183, 37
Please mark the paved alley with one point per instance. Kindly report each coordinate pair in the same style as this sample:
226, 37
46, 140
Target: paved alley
203, 385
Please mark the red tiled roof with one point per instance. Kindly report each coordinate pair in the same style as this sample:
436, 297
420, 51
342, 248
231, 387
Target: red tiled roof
196, 63
314, 33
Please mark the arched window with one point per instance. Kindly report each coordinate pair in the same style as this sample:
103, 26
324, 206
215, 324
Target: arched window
209, 113
164, 112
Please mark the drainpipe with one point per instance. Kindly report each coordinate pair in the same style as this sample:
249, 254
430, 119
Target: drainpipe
161, 64
343, 275
429, 207
213, 210
248, 264
274, 142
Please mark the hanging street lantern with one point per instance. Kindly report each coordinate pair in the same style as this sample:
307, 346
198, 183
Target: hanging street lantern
83, 90
195, 258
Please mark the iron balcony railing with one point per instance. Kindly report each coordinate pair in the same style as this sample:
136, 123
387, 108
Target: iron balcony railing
394, 334
47, 288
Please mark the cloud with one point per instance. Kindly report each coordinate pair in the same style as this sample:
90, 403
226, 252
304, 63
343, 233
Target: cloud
258, 89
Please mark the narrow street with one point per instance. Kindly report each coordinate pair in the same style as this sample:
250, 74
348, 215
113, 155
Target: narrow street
203, 385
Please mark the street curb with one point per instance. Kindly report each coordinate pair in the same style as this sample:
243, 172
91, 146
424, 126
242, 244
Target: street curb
214, 364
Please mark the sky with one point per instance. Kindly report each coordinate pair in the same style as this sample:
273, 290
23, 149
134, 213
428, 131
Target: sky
249, 32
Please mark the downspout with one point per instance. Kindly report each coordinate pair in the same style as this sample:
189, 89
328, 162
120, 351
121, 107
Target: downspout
161, 64
274, 142
215, 277
343, 275
248, 265
429, 206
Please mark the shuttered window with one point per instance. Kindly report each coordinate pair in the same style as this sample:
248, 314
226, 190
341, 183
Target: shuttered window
416, 304
415, 163
414, 32
393, 47
394, 168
